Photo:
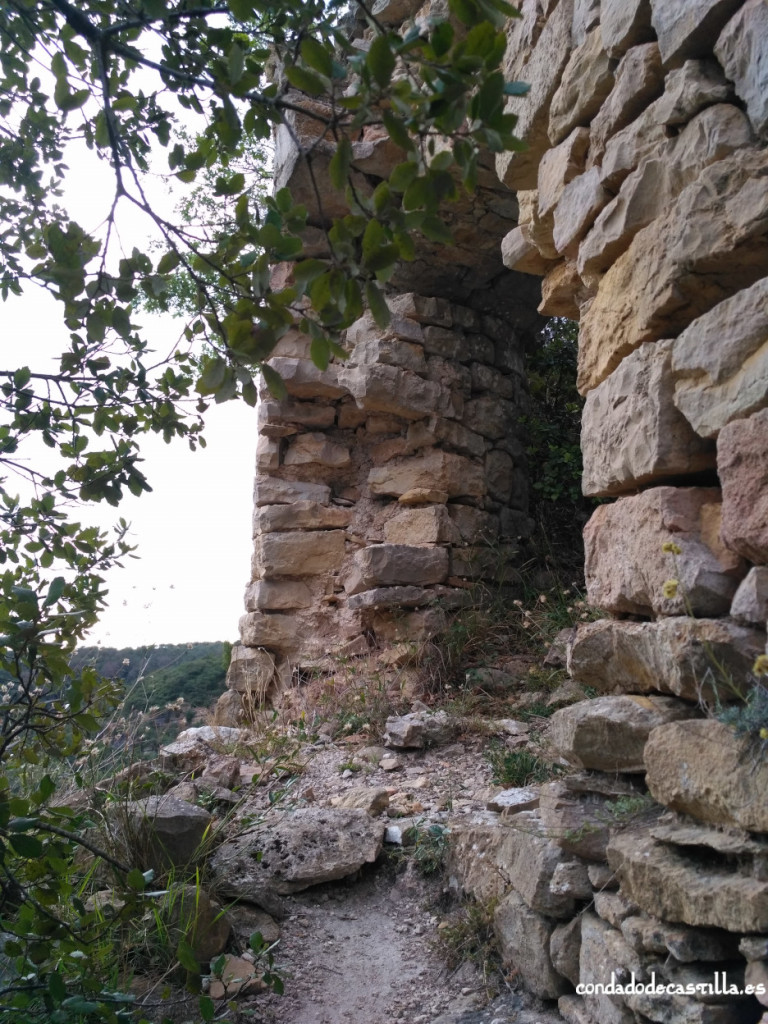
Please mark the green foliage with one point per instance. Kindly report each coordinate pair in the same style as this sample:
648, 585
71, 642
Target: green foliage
750, 717
427, 846
517, 767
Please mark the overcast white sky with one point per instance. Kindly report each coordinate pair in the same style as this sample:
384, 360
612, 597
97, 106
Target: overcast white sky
194, 531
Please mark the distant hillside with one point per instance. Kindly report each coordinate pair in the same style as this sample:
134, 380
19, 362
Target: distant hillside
161, 674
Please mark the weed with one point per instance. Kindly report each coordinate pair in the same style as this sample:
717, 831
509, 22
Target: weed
429, 846
750, 718
469, 936
350, 766
517, 767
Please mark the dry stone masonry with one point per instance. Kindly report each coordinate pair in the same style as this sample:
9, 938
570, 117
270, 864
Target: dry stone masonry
641, 202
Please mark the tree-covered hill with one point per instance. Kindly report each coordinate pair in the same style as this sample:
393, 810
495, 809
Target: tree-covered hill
160, 674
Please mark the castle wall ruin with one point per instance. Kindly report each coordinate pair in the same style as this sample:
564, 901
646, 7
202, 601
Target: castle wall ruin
640, 208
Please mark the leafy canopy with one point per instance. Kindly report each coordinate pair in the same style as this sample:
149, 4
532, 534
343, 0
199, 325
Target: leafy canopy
204, 84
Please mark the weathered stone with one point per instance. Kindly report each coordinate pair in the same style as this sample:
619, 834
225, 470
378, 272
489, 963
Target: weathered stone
573, 1010
303, 379
236, 977
610, 733
474, 525
402, 327
418, 730
563, 291
199, 919
277, 596
303, 414
581, 201
613, 908
371, 800
687, 28
429, 524
742, 463
422, 308
316, 449
631, 431
167, 831
570, 879
756, 975
638, 80
267, 454
577, 822
387, 597
524, 940
392, 351
565, 947
512, 801
742, 49
518, 252
491, 417
251, 670
604, 951
229, 710
754, 947
455, 475
720, 362
397, 564
665, 278
560, 165
679, 655
300, 515
626, 567
293, 850
712, 135
268, 490
586, 82
685, 944
689, 89
586, 14
602, 877
668, 883
625, 23
500, 476
390, 389
670, 1008
542, 66
703, 769
750, 604
299, 554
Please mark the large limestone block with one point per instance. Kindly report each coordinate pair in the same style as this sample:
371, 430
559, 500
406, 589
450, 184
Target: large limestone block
277, 595
524, 939
720, 362
486, 859
638, 80
543, 69
395, 565
577, 822
419, 730
632, 433
687, 945
299, 554
391, 350
518, 252
609, 734
251, 670
710, 136
300, 515
625, 23
742, 49
581, 201
316, 449
681, 656
302, 414
269, 490
703, 769
586, 14
565, 947
429, 524
711, 243
168, 831
604, 950
303, 379
668, 882
587, 80
391, 389
689, 28
750, 603
563, 291
560, 165
292, 850
455, 475
626, 567
742, 462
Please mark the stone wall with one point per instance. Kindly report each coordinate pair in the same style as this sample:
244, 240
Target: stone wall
642, 204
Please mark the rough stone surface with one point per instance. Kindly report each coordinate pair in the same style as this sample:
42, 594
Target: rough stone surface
750, 604
169, 831
639, 79
665, 278
625, 23
565, 947
299, 554
603, 950
742, 49
443, 471
277, 595
686, 28
703, 769
581, 201
610, 733
367, 798
626, 567
631, 431
296, 849
560, 165
587, 80
577, 822
418, 730
667, 883
397, 564
679, 655
518, 252
251, 670
524, 939
742, 463
720, 362
269, 490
